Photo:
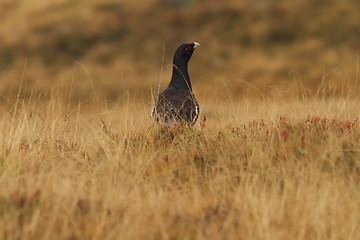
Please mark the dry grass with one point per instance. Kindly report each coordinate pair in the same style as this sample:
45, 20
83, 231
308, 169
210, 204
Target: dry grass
255, 169
122, 43
276, 152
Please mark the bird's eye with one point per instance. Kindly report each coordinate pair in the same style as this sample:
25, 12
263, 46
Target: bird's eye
187, 48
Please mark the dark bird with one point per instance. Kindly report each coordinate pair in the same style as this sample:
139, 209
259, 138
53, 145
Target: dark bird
177, 103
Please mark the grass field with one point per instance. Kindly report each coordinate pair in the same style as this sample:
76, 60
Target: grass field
259, 168
275, 153
124, 43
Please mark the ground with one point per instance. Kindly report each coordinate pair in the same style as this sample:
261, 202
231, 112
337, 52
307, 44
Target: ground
275, 153
253, 169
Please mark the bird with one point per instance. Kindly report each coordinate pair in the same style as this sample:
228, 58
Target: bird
177, 103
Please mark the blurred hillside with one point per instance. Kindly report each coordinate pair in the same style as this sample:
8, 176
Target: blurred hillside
127, 46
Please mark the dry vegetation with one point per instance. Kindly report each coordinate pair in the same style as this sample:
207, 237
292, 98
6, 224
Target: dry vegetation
275, 154
254, 169
122, 43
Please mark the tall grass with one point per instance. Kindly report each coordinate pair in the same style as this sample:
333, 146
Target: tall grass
269, 168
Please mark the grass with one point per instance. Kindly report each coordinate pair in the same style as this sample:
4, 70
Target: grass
274, 155
252, 169
264, 43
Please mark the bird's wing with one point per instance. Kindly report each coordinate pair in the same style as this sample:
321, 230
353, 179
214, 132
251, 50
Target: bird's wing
196, 115
154, 113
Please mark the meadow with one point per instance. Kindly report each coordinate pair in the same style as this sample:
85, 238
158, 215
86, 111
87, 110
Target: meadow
260, 168
275, 153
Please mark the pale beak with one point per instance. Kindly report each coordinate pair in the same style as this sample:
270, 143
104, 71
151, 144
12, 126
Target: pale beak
196, 44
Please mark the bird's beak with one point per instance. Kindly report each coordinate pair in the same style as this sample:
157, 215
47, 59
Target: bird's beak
196, 44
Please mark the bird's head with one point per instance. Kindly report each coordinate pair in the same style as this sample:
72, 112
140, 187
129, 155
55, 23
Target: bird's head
184, 52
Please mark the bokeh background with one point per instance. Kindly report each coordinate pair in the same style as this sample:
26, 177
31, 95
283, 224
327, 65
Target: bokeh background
248, 47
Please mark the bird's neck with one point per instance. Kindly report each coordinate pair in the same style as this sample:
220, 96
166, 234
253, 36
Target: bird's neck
180, 77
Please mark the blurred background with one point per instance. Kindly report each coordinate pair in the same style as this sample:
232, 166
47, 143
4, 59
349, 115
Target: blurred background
248, 47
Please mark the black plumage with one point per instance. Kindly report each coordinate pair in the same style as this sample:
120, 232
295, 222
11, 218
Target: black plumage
177, 103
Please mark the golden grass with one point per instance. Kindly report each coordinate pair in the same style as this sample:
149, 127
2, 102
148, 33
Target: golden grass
255, 169
260, 42
275, 154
